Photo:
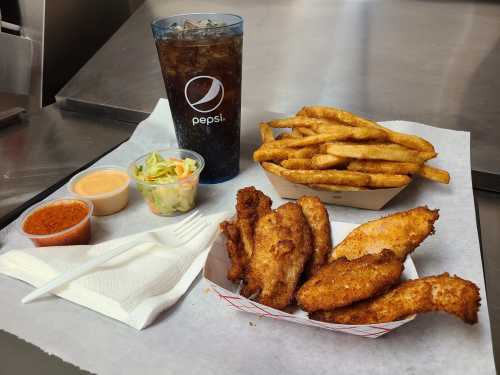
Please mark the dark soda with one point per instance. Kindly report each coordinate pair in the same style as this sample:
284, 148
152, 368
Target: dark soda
201, 67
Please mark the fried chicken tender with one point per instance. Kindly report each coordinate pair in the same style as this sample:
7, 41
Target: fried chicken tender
435, 293
344, 281
401, 232
283, 245
319, 222
235, 251
251, 205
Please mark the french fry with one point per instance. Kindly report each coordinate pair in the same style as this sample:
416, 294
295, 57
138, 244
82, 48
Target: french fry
380, 180
359, 134
380, 166
266, 133
335, 114
301, 122
350, 181
273, 168
434, 174
267, 154
306, 131
427, 155
296, 133
390, 152
328, 128
341, 133
295, 142
333, 177
297, 164
303, 153
336, 187
410, 141
322, 148
284, 135
326, 161
352, 133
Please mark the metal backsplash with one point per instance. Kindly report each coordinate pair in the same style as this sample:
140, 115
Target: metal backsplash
56, 38
21, 55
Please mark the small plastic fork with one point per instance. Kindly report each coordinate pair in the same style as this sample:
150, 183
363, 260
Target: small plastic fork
183, 232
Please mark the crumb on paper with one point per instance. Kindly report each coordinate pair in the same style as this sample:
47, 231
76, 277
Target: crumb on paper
252, 324
206, 290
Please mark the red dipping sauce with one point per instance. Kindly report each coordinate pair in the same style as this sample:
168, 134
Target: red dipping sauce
58, 223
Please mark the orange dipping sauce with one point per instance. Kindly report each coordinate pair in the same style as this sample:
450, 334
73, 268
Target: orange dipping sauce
100, 182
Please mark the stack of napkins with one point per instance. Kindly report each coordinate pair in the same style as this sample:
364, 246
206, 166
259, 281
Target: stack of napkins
133, 287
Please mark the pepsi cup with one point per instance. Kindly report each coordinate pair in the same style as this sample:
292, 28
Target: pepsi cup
200, 59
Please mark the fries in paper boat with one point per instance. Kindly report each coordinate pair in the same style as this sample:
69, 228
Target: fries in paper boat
342, 158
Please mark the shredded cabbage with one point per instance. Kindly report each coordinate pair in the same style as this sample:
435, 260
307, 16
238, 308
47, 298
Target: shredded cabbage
157, 169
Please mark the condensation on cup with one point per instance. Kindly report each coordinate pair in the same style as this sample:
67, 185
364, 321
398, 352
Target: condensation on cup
200, 58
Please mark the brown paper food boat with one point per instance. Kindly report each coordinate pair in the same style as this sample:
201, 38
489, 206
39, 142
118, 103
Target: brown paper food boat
374, 199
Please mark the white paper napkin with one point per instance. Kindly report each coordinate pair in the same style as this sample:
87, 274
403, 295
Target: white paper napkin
133, 287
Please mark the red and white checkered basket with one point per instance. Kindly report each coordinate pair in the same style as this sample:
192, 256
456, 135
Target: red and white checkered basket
215, 272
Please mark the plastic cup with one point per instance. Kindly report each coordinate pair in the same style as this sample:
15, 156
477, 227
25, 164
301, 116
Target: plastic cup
105, 203
170, 199
200, 58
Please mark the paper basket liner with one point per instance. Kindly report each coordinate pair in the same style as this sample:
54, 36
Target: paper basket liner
218, 263
368, 199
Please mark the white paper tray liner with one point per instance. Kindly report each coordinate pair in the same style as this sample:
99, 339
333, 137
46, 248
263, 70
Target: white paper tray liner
198, 335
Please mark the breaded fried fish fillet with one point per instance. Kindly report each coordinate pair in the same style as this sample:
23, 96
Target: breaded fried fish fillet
401, 232
283, 245
343, 282
251, 204
435, 293
319, 222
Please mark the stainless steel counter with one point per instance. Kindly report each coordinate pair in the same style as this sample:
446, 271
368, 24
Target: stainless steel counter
48, 146
434, 62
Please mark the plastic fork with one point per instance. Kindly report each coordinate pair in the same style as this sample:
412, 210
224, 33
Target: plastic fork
184, 231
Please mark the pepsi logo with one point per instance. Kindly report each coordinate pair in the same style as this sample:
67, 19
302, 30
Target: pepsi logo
204, 93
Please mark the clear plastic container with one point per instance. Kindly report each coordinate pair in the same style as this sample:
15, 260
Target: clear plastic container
105, 203
78, 234
169, 199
